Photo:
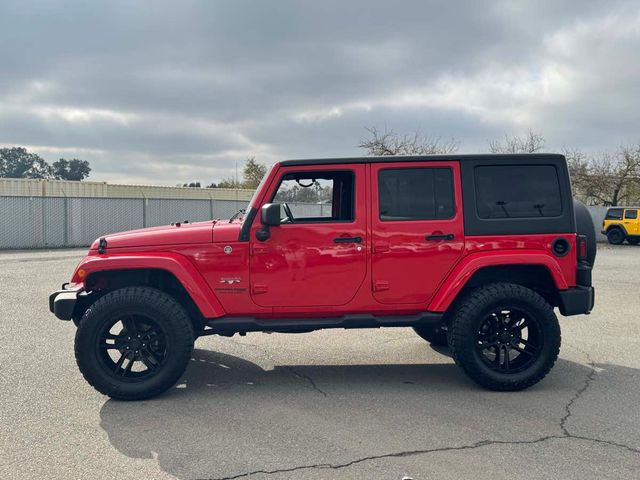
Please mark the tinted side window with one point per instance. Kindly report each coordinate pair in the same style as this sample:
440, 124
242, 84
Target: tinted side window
415, 194
631, 214
614, 214
517, 191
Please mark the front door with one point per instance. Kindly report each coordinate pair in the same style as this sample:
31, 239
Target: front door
417, 229
317, 255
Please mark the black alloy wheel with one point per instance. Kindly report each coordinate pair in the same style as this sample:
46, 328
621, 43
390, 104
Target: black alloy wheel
132, 347
509, 340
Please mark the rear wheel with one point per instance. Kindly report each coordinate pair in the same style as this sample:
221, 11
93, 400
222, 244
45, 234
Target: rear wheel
505, 337
435, 335
134, 343
615, 236
633, 240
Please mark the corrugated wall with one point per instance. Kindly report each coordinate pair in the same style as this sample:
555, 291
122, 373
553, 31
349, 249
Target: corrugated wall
61, 188
597, 215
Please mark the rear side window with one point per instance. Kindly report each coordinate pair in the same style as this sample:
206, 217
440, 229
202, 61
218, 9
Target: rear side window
415, 194
614, 214
631, 213
517, 191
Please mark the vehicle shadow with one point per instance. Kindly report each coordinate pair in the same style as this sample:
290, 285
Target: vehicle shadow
229, 416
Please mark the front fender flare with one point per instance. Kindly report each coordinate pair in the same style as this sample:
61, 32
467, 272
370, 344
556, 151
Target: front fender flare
462, 272
178, 265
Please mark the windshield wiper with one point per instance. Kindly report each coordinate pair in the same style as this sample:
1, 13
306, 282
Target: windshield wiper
242, 211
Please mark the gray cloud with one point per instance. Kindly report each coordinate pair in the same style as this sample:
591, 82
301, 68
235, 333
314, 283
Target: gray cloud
174, 91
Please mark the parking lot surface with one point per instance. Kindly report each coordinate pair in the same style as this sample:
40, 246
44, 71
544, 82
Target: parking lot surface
366, 404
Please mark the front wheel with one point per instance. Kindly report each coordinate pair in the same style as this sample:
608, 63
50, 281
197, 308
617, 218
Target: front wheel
505, 337
134, 343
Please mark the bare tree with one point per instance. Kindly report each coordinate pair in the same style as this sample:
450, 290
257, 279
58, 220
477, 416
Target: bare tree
614, 179
388, 142
578, 164
530, 142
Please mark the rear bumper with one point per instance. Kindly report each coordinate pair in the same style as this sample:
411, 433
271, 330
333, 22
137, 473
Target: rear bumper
576, 301
63, 302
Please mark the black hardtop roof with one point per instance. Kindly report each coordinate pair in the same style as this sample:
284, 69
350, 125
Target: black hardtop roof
494, 157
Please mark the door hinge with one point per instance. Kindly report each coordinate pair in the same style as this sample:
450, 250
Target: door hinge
380, 285
258, 249
257, 289
380, 247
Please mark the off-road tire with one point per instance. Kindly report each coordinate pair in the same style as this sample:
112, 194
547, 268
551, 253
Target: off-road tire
615, 236
165, 311
463, 333
435, 335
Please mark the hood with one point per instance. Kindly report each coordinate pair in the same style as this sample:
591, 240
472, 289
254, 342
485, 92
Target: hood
176, 234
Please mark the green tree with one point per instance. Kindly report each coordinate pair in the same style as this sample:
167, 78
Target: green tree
73, 169
253, 173
229, 183
16, 162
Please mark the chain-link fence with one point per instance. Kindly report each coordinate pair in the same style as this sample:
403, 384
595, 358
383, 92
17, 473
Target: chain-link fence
42, 222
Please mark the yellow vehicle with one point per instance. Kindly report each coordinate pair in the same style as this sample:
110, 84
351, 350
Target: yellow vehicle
620, 224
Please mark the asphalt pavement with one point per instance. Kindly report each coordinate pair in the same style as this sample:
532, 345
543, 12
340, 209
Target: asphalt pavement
362, 404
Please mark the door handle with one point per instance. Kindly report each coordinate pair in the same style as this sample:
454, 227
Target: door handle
347, 240
439, 236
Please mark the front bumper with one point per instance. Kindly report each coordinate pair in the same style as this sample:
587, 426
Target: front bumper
576, 301
63, 302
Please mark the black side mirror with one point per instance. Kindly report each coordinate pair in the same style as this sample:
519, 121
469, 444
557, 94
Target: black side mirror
270, 214
270, 217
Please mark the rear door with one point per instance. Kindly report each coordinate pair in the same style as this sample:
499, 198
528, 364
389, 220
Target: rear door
417, 228
631, 221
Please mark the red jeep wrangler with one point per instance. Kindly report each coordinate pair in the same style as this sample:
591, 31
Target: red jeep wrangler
473, 251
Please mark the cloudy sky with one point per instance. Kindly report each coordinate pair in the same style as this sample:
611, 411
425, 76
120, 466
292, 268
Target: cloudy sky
166, 92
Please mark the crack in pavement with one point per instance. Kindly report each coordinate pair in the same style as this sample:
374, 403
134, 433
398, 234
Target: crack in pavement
566, 435
308, 379
587, 382
408, 453
591, 376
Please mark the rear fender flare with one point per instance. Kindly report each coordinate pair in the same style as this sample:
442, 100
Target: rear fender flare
619, 226
178, 265
464, 270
